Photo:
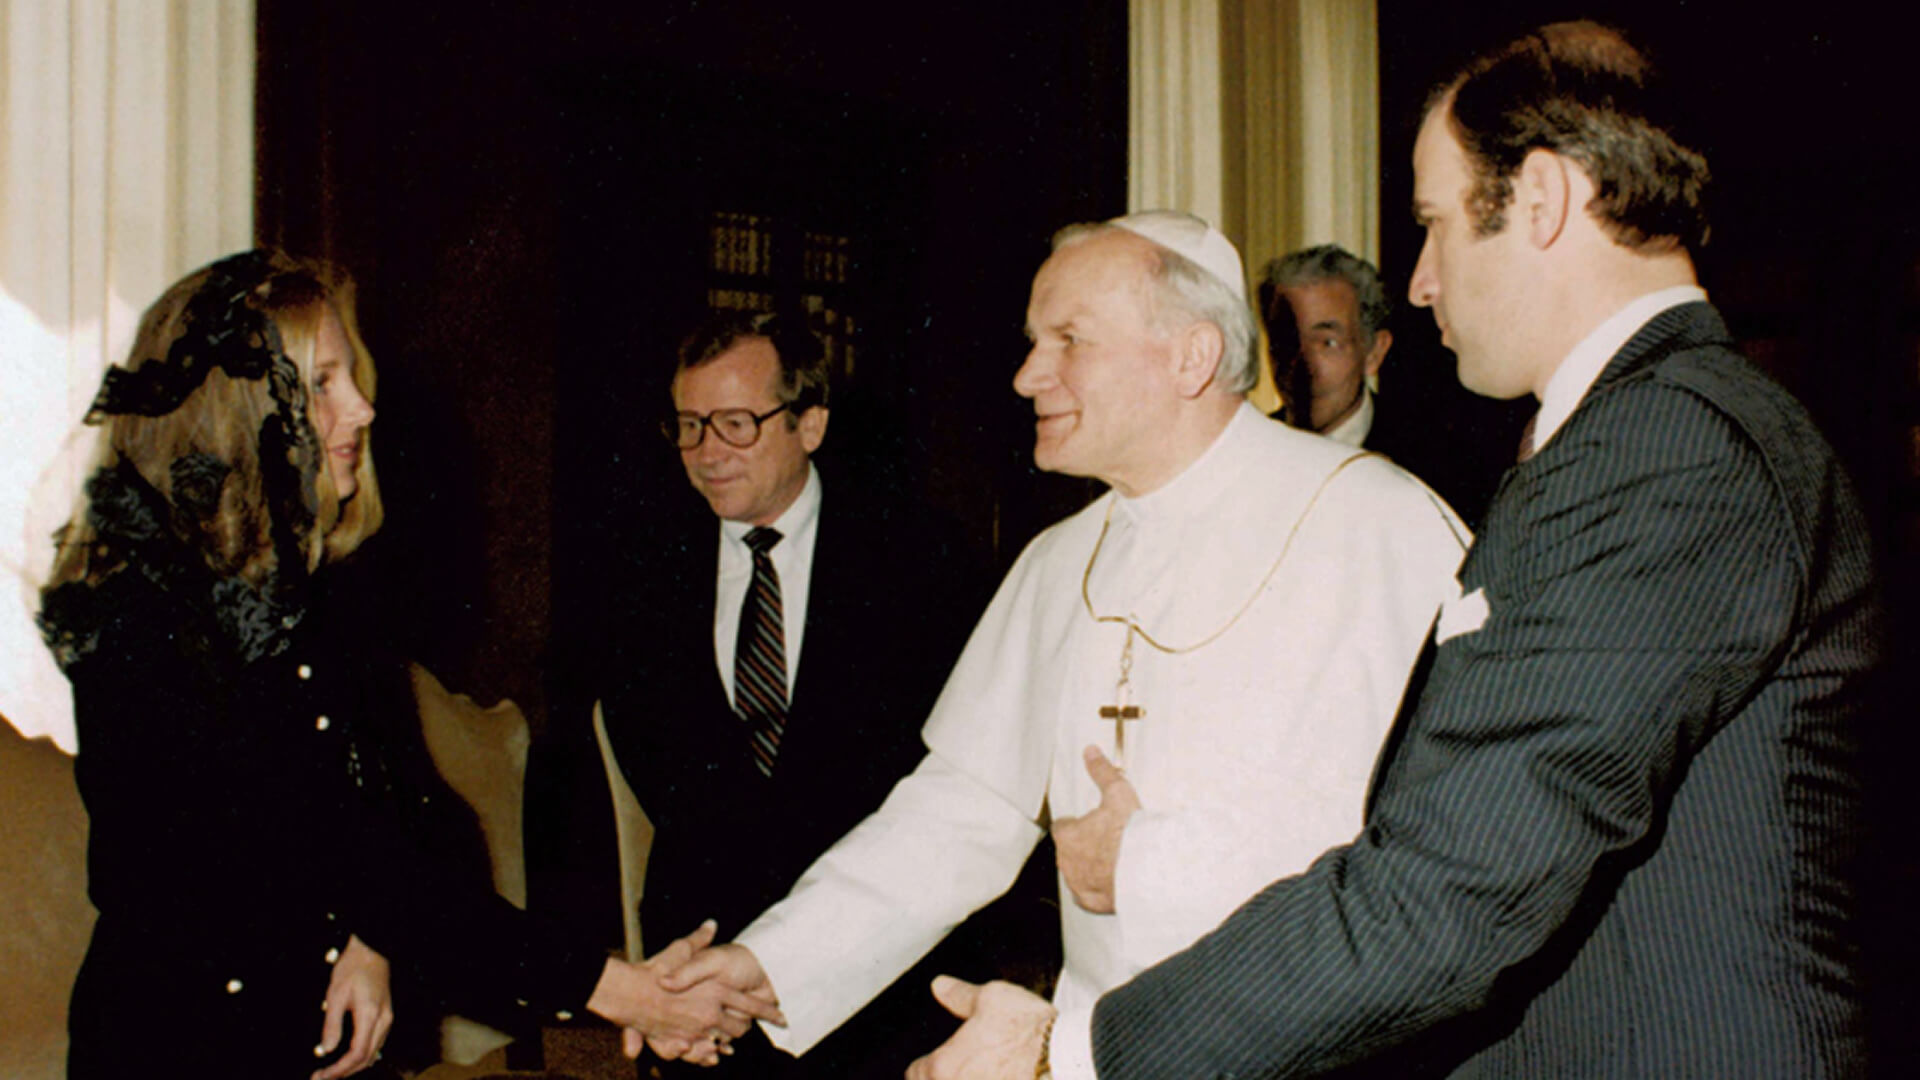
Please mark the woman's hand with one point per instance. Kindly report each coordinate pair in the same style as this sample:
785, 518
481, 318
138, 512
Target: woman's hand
703, 1011
360, 987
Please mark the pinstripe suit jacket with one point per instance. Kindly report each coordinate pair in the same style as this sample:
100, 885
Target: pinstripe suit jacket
1615, 836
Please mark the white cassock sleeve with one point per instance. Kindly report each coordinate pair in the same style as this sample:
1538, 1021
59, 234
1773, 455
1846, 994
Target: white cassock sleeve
951, 837
1343, 641
1070, 1047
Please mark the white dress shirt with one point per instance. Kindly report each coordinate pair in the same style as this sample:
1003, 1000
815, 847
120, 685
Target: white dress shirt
1575, 375
792, 560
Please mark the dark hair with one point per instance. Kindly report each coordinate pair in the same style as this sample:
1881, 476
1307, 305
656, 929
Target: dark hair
1329, 262
804, 375
1584, 91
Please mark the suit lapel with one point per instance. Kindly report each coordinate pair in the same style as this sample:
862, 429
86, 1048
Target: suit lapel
699, 586
824, 587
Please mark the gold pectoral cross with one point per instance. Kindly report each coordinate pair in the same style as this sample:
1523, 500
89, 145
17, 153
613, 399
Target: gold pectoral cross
1121, 710
1120, 714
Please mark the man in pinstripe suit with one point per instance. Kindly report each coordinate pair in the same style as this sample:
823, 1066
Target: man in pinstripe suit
1615, 835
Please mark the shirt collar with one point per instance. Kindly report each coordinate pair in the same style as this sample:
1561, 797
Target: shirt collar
804, 510
1576, 374
1202, 480
1353, 430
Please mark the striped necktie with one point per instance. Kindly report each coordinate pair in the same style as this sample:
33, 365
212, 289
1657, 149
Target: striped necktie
760, 656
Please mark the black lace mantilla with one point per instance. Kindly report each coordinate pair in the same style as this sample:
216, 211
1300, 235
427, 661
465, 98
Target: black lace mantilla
222, 326
207, 613
220, 329
139, 533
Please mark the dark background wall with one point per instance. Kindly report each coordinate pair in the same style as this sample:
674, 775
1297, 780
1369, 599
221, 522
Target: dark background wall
521, 189
1813, 252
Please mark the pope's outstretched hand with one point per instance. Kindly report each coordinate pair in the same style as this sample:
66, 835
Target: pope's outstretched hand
1004, 1036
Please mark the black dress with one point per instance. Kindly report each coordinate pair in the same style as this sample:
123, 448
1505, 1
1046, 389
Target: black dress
244, 825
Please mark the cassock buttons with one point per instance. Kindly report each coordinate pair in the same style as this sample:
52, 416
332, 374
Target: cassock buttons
333, 956
563, 1015
321, 723
304, 671
234, 986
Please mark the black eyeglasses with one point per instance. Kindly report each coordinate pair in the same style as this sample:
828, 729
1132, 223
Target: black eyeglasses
736, 427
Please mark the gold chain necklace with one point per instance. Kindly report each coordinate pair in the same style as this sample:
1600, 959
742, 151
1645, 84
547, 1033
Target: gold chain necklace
1122, 710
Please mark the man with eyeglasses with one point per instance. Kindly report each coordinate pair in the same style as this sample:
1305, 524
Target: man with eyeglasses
768, 684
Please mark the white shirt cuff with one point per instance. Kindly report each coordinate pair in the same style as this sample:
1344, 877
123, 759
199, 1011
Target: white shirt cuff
1070, 1050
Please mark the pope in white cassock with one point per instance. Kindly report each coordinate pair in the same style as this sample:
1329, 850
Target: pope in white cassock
1232, 625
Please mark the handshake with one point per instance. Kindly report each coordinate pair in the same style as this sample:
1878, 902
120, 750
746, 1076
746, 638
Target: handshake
693, 998
690, 1000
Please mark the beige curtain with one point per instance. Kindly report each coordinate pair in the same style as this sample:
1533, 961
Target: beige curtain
1261, 116
126, 159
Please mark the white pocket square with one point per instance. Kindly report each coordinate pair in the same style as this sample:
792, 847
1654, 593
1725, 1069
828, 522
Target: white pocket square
1461, 615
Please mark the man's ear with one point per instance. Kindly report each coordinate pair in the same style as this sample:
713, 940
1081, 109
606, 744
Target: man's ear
1543, 194
1197, 353
1382, 341
813, 427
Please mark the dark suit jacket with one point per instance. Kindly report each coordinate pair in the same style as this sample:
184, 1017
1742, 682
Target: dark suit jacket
1616, 836
891, 600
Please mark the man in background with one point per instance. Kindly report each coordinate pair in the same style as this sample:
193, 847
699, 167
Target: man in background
1331, 302
1326, 312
